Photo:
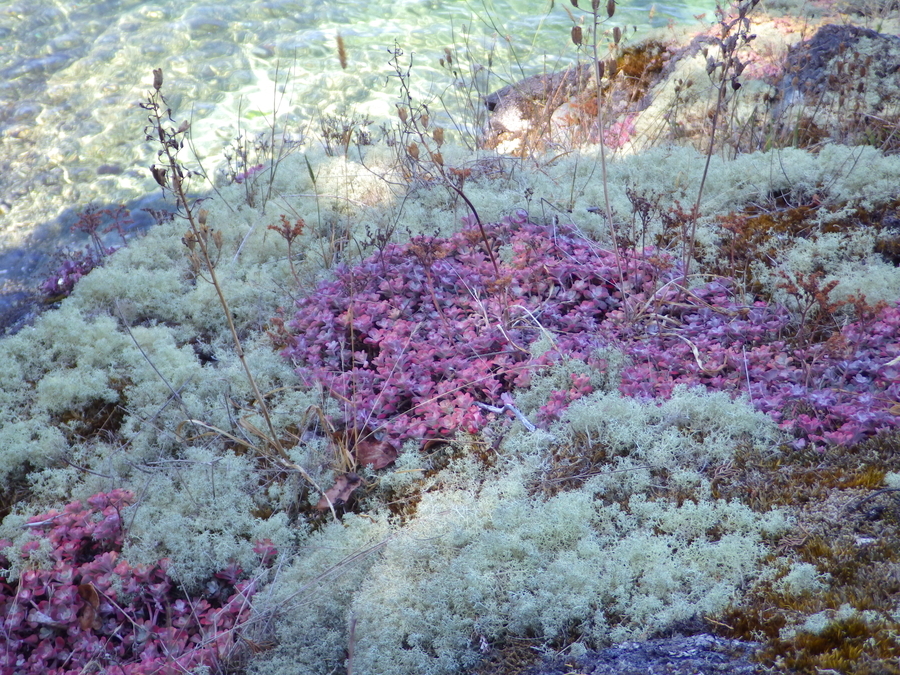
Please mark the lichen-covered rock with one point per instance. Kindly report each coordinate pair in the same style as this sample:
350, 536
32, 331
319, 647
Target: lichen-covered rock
843, 82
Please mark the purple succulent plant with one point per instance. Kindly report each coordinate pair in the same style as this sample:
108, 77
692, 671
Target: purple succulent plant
93, 609
411, 339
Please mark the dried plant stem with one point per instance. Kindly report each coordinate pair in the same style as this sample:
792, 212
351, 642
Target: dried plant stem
415, 124
729, 41
695, 210
598, 74
484, 237
171, 177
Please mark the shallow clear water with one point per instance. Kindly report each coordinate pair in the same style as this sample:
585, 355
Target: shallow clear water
73, 73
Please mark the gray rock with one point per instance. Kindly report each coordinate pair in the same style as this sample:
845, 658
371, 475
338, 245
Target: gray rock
524, 105
695, 655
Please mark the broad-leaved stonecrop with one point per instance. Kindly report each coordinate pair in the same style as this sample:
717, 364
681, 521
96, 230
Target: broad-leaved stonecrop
92, 609
410, 342
410, 339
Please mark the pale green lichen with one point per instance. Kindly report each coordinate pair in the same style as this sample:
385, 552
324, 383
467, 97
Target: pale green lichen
197, 510
306, 609
485, 558
482, 554
558, 377
848, 259
803, 579
680, 435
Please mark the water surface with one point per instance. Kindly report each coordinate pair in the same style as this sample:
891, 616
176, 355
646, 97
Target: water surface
72, 76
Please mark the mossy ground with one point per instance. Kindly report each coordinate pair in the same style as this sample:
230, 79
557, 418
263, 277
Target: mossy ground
848, 527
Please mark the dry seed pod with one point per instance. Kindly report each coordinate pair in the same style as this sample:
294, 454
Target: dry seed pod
617, 34
610, 8
612, 68
438, 136
159, 175
157, 78
424, 119
576, 35
574, 3
437, 158
600, 68
342, 51
401, 111
201, 216
413, 151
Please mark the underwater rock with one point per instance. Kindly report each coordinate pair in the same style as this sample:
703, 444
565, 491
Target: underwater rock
519, 107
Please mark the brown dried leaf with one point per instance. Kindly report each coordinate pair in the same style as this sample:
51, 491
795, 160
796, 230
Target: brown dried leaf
88, 618
340, 492
432, 444
159, 175
377, 453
